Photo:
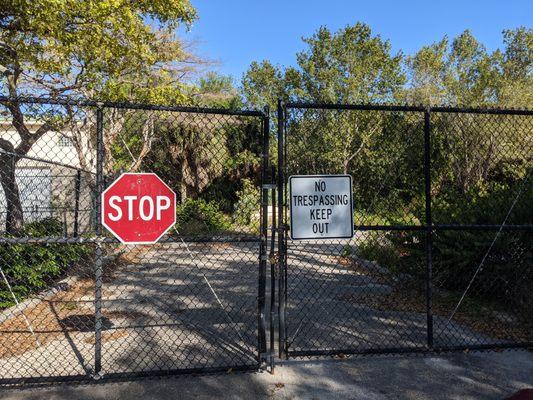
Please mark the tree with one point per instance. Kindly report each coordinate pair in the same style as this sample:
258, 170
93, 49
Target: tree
214, 90
516, 63
463, 73
92, 49
351, 65
208, 154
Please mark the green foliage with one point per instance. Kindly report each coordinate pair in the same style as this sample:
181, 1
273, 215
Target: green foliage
379, 249
354, 66
214, 90
347, 250
100, 49
248, 205
479, 162
197, 217
349, 66
506, 274
73, 46
463, 72
30, 268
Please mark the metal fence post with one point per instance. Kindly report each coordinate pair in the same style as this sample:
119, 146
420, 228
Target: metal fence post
261, 326
281, 235
274, 265
77, 185
429, 226
98, 255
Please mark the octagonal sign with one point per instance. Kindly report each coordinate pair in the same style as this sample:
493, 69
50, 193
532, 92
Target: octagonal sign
138, 208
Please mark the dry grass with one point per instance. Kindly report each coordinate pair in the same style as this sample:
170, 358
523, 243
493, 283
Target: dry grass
45, 319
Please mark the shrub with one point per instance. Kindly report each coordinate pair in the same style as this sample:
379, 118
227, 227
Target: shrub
506, 274
380, 250
32, 267
248, 205
197, 216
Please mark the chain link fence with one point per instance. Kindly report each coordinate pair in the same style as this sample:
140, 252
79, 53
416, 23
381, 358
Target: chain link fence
441, 258
77, 304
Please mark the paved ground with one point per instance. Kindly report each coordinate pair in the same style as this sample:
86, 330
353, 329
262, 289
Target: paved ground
330, 306
177, 306
169, 306
456, 376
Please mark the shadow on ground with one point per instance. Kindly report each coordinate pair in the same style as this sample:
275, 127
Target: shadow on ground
453, 376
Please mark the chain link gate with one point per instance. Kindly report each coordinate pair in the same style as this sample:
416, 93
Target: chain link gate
74, 303
441, 258
427, 269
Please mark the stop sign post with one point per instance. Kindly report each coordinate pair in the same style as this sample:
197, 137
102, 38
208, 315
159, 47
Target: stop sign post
138, 208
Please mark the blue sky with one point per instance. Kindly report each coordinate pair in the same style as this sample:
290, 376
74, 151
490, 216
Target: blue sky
237, 32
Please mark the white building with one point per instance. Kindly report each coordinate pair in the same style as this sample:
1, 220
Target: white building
46, 179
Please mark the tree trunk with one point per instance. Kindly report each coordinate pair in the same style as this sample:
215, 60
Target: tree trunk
346, 163
183, 185
14, 214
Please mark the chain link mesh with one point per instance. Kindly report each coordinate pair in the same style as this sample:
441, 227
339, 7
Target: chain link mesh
371, 293
75, 303
78, 304
483, 270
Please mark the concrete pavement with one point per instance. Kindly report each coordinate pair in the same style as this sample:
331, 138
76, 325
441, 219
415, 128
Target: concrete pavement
453, 376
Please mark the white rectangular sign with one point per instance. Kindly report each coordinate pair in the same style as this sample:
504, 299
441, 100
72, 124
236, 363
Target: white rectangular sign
321, 206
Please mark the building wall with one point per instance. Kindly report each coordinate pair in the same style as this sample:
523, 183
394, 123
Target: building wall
46, 188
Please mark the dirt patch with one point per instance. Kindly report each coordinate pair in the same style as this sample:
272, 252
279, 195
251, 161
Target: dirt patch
109, 336
344, 261
69, 310
133, 254
46, 318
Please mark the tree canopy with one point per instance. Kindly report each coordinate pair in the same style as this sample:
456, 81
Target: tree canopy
353, 65
102, 49
463, 72
93, 48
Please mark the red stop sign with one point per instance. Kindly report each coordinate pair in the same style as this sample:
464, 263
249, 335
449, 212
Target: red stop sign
138, 208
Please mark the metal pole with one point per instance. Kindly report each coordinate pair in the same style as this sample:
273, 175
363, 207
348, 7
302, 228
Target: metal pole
274, 263
281, 236
264, 239
429, 226
99, 256
77, 186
